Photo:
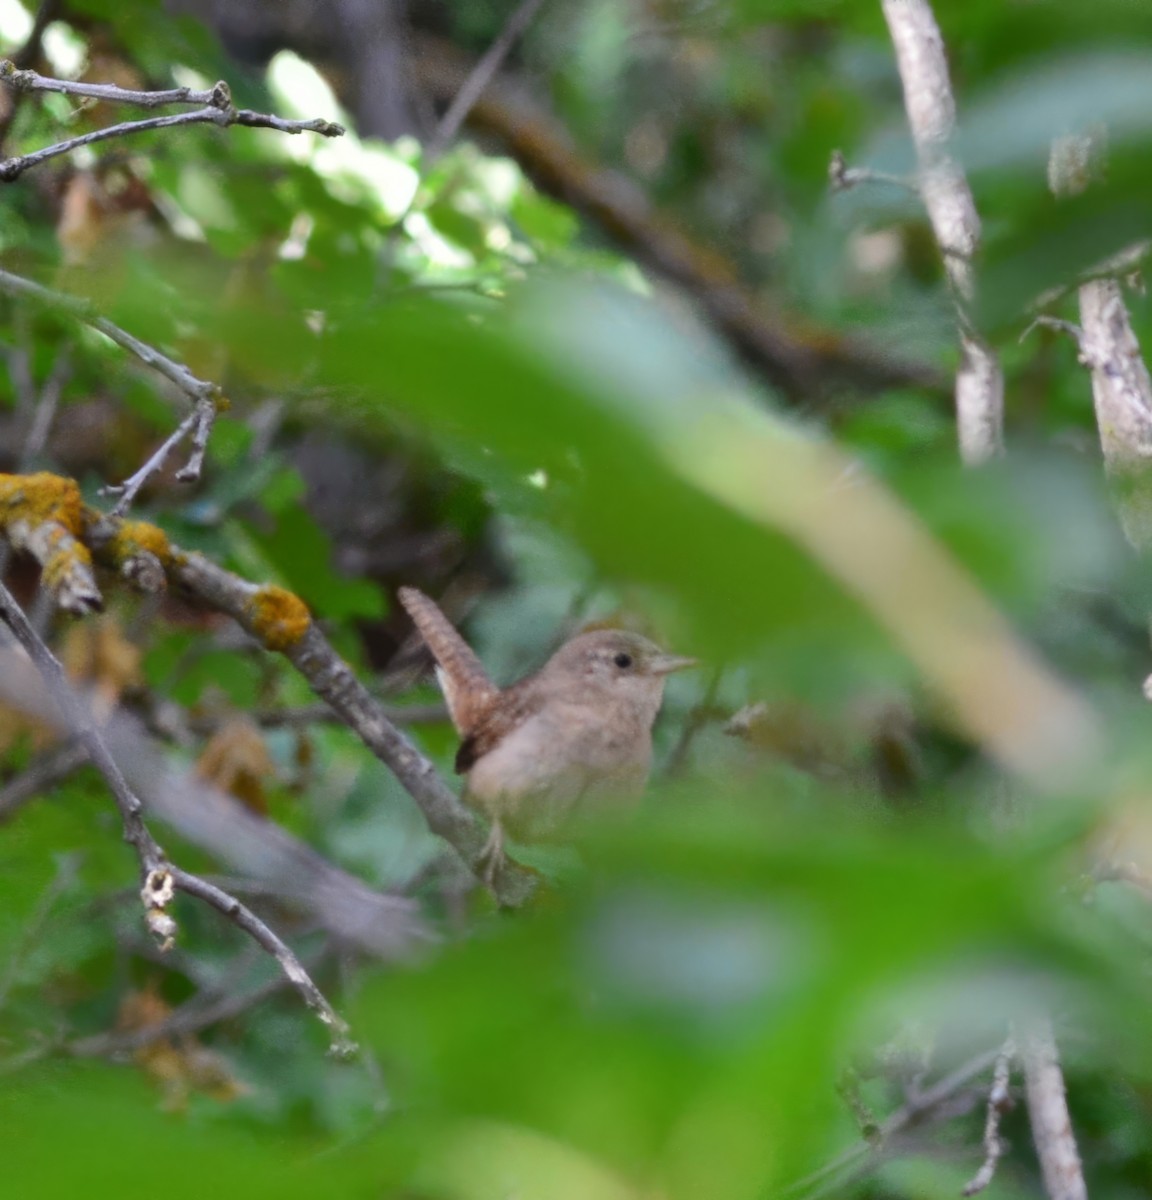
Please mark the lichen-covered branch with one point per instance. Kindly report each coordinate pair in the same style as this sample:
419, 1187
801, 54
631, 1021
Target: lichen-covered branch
280, 621
41, 514
951, 209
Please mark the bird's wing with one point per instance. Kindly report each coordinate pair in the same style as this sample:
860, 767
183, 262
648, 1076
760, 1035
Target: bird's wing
496, 722
468, 690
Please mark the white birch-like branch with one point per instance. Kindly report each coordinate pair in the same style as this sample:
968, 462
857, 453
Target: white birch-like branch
952, 211
1048, 1113
1121, 385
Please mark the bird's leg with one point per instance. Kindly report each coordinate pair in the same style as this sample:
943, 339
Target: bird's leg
492, 856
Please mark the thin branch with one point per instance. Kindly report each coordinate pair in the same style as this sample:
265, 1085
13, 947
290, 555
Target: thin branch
479, 79
160, 878
207, 397
45, 411
382, 924
951, 209
916, 1111
217, 109
843, 178
1048, 1113
244, 918
803, 360
175, 372
999, 1102
30, 81
77, 717
1121, 384
128, 490
198, 1013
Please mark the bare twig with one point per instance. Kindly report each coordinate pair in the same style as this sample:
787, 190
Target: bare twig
217, 109
952, 211
160, 878
207, 397
77, 717
198, 1013
1121, 384
199, 423
999, 1102
843, 178
918, 1110
383, 925
481, 76
45, 411
244, 918
1048, 1112
702, 713
803, 360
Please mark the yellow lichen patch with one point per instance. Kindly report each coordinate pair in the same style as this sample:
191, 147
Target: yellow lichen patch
277, 617
43, 515
41, 498
133, 536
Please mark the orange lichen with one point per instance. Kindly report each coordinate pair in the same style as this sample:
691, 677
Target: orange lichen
277, 617
133, 536
41, 498
43, 514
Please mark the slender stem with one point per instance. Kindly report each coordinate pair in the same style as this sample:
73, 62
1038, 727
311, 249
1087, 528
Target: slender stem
244, 918
480, 77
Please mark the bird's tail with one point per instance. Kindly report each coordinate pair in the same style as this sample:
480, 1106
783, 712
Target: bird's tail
465, 684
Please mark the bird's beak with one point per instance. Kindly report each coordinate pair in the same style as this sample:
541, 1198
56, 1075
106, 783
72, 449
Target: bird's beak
665, 664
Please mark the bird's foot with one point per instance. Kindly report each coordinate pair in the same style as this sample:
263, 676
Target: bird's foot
492, 857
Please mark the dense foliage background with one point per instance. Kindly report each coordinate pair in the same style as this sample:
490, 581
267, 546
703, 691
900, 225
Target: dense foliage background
609, 355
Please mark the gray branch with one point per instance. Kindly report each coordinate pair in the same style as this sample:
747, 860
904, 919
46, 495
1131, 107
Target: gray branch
952, 211
244, 918
216, 109
160, 879
207, 397
332, 680
386, 926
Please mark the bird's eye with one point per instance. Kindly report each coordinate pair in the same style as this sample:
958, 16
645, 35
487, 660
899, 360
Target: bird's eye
623, 661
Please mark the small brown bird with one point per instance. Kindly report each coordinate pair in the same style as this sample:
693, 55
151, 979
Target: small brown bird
542, 750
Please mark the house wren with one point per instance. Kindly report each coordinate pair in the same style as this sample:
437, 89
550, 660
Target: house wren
548, 748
